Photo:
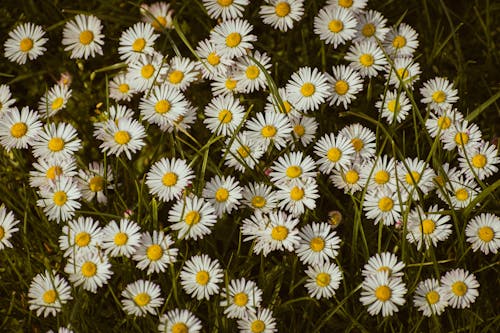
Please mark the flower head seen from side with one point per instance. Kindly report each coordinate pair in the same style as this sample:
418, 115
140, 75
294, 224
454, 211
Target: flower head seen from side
59, 199
307, 89
125, 136
58, 142
401, 41
95, 181
136, 40
158, 14
429, 298
121, 239
345, 83
262, 321
141, 297
241, 298
19, 129
168, 178
155, 252
7, 227
178, 321
192, 217
367, 58
54, 100
459, 288
224, 193
382, 294
232, 37
334, 152
25, 42
82, 36
384, 262
438, 94
323, 280
483, 233
318, 244
82, 234
200, 276
479, 162
335, 25
427, 228
282, 14
225, 9
48, 292
89, 269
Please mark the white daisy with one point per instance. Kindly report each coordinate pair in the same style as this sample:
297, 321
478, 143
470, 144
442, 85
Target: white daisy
136, 40
225, 9
345, 83
25, 41
367, 58
224, 193
7, 227
459, 288
254, 228
181, 73
483, 232
318, 244
223, 115
6, 101
82, 36
349, 179
192, 217
19, 129
296, 198
334, 152
80, 235
90, 269
356, 6
282, 14
307, 89
241, 152
324, 279
304, 129
415, 177
178, 321
446, 176
428, 227
46, 171
56, 142
259, 197
405, 70
94, 182
183, 122
275, 105
269, 128
155, 252
371, 26
225, 83
232, 38
382, 294
462, 135
211, 63
59, 199
141, 297
380, 174
241, 298
479, 161
120, 89
280, 232
462, 192
292, 168
125, 136
362, 139
163, 105
122, 239
401, 41
335, 25
158, 14
429, 298
383, 206
249, 72
200, 276
262, 322
438, 94
393, 106
440, 125
168, 178
48, 292
54, 100
384, 262
145, 72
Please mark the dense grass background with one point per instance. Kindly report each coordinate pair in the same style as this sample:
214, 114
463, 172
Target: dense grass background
458, 40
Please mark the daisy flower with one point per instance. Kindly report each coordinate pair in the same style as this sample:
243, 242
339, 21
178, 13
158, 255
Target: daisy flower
293, 168
177, 321
429, 298
446, 176
232, 38
242, 153
462, 192
346, 83
163, 105
200, 276
145, 72
323, 280
273, 104
280, 232
427, 228
384, 262
249, 74
224, 193
367, 58
380, 174
462, 135
46, 171
223, 115
268, 128
19, 129
225, 9
114, 113
136, 40
83, 36
335, 25
95, 181
282, 14
57, 142
349, 179
382, 294
90, 269
183, 122
304, 129
48, 292
383, 206
158, 14
192, 217
483, 232
393, 106
254, 228
5, 99
125, 136
168, 178
259, 197
241, 298
155, 252
415, 175
59, 199
307, 89
181, 73
334, 152
318, 244
405, 70
121, 239
459, 288
25, 41
356, 6
120, 89
141, 297
262, 322
296, 198
80, 235
7, 227
54, 100
371, 26
225, 83
438, 94
440, 125
362, 139
211, 64
401, 41
479, 161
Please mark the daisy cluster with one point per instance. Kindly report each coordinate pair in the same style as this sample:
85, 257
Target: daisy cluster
267, 174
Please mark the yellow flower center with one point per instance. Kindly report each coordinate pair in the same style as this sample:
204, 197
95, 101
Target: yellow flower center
147, 71
50, 296
398, 42
162, 106
258, 201
192, 217
57, 103
385, 204
142, 299
345, 3
317, 244
231, 84
60, 198
296, 193
351, 177
180, 328
383, 293
225, 3
233, 39
122, 137
26, 44
432, 297
120, 239
393, 106
479, 161
56, 144
18, 130
279, 233
287, 106
341, 87
82, 239
461, 138
358, 144
221, 194
175, 77
139, 45
428, 226
225, 116
444, 122
459, 288
53, 172
439, 180
282, 9
385, 269
403, 73
439, 96
368, 30
96, 183
86, 37
202, 277
213, 59
334, 154
293, 171
252, 72
381, 177
169, 179
485, 233
299, 130
258, 326
307, 89
160, 22
411, 177
240, 299
366, 59
89, 269
335, 26
123, 88
335, 218
323, 279
461, 194
244, 151
2, 232
268, 131
154, 252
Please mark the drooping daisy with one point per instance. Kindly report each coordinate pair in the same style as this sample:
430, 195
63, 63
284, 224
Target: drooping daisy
415, 175
56, 142
335, 25
90, 269
242, 153
384, 262
259, 197
168, 178
462, 192
158, 14
440, 125
225, 83
122, 239
241, 298
155, 252
304, 129
383, 206
405, 70
296, 198
380, 173
146, 71
6, 101
232, 38
223, 115
293, 168
427, 227
401, 41
141, 297
136, 40
7, 227
269, 128
80, 235
356, 6
345, 84
125, 136
225, 9
479, 161
459, 288
224, 193
200, 276
334, 152
371, 26
211, 64
82, 36
192, 217
393, 106
48, 292
25, 42
95, 181
462, 135
483, 232
367, 58
438, 94
307, 89
382, 293
181, 73
429, 298
19, 129
324, 279
318, 244
349, 179
179, 321
249, 73
120, 89
46, 171
262, 322
282, 14
54, 100
362, 139
280, 233
59, 199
